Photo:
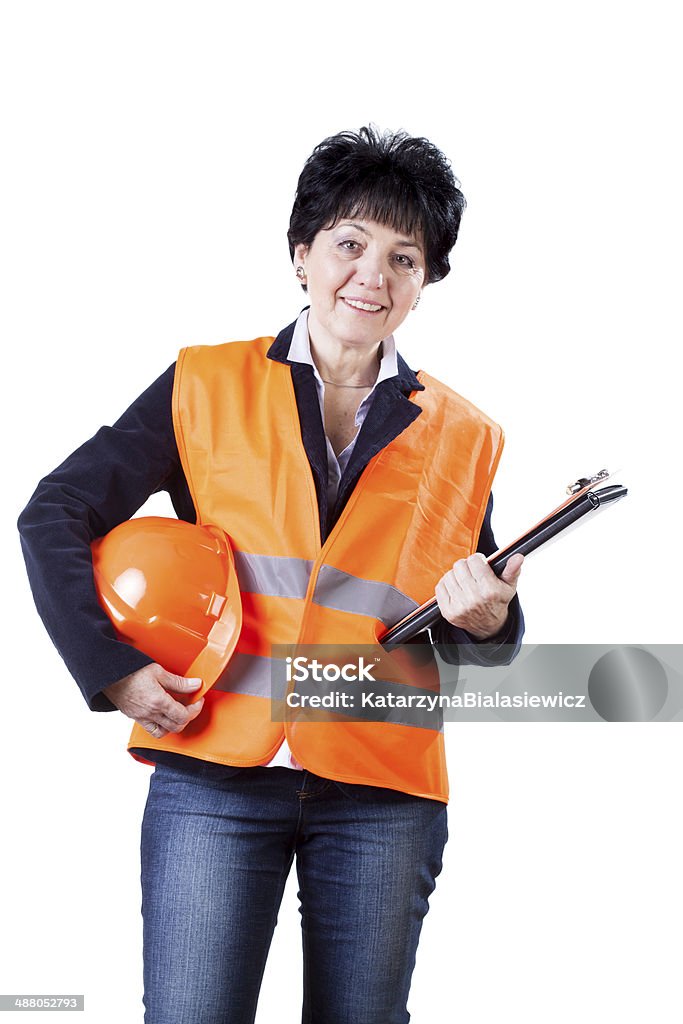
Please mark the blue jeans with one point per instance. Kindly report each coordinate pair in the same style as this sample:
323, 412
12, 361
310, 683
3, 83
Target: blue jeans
217, 847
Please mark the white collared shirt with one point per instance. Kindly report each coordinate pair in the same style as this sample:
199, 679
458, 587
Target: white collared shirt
300, 352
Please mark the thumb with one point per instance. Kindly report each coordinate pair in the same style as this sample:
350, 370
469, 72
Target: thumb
179, 684
513, 567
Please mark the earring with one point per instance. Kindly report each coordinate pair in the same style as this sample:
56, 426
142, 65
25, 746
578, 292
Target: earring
414, 306
300, 273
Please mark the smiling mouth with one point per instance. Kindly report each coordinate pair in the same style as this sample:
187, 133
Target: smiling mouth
365, 307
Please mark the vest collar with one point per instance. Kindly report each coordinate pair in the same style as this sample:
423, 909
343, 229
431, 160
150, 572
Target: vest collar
404, 383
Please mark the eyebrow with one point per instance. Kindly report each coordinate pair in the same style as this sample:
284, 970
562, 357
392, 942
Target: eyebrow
401, 241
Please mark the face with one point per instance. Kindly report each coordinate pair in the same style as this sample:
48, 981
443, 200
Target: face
363, 278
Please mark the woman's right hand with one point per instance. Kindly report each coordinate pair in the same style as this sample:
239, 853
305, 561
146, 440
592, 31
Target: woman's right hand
144, 696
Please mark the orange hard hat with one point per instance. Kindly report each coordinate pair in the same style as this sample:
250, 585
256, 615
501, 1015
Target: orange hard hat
171, 590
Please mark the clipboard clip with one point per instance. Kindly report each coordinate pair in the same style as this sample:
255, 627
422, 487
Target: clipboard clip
587, 481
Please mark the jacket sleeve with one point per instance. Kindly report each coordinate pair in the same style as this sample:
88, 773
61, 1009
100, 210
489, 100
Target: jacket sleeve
457, 646
103, 483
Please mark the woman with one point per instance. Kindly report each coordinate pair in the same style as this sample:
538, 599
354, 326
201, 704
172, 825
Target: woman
347, 484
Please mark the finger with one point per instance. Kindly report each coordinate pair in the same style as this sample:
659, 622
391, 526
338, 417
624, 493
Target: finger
475, 578
154, 729
462, 574
193, 710
479, 568
513, 568
174, 716
170, 724
452, 587
450, 598
441, 594
178, 684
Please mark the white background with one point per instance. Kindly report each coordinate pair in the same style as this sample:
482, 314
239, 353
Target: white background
151, 153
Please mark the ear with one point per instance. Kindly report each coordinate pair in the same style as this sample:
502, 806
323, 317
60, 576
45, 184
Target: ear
300, 253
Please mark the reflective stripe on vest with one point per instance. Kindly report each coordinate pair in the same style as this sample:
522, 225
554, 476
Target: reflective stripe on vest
288, 577
279, 577
347, 593
417, 507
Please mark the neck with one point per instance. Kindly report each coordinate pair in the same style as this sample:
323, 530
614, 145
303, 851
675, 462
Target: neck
342, 362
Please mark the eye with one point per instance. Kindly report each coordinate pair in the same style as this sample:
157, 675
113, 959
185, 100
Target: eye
405, 261
349, 245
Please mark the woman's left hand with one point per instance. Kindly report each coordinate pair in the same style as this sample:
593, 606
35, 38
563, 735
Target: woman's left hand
471, 596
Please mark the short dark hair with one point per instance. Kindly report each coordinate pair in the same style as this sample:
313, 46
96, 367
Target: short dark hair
391, 177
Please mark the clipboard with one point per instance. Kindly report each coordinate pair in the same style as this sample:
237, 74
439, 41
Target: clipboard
583, 500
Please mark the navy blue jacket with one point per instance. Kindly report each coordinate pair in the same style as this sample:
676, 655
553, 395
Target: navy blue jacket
106, 480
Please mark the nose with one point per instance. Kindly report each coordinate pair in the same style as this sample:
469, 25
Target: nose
368, 272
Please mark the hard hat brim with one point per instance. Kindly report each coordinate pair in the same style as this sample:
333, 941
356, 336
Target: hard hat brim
224, 634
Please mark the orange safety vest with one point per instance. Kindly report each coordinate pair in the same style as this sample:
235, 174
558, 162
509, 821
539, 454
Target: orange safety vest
417, 507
